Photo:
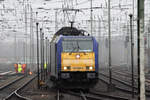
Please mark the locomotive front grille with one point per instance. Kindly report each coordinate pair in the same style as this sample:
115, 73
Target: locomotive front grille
77, 67
78, 75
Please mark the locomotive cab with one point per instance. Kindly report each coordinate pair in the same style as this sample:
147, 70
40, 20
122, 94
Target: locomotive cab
78, 59
73, 58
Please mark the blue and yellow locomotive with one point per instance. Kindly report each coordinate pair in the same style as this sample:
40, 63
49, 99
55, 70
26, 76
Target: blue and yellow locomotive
74, 57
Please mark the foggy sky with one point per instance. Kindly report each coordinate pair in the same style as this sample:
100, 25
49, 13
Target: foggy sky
15, 21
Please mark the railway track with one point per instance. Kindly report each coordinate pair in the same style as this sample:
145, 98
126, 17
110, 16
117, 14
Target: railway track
127, 76
58, 95
69, 94
94, 95
106, 96
120, 84
9, 81
83, 96
9, 92
80, 95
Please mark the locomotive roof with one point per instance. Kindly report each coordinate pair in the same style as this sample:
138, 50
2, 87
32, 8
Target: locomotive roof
77, 37
69, 31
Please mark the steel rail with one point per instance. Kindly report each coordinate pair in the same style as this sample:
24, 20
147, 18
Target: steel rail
10, 83
124, 83
58, 95
129, 74
108, 96
95, 96
15, 94
83, 95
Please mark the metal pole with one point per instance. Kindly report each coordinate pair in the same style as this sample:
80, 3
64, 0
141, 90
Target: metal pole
99, 37
24, 52
49, 57
41, 45
37, 24
56, 23
43, 53
15, 54
128, 49
46, 57
26, 30
109, 33
91, 19
133, 9
30, 39
140, 56
132, 55
133, 25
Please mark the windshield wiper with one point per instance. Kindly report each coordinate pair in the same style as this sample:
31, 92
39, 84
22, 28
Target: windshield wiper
74, 48
78, 47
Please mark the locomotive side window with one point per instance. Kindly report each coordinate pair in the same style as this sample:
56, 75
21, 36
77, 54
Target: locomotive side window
77, 45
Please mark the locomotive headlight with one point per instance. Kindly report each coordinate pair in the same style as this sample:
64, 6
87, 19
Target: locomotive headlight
91, 68
77, 56
65, 68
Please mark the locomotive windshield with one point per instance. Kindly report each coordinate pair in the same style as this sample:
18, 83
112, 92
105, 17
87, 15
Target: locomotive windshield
77, 45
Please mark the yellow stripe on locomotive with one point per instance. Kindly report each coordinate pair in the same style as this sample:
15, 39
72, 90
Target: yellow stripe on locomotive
78, 61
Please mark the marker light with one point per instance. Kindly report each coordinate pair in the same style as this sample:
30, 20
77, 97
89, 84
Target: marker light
91, 68
65, 68
77, 56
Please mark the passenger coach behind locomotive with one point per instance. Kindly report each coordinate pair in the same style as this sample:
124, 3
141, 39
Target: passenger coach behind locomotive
74, 57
